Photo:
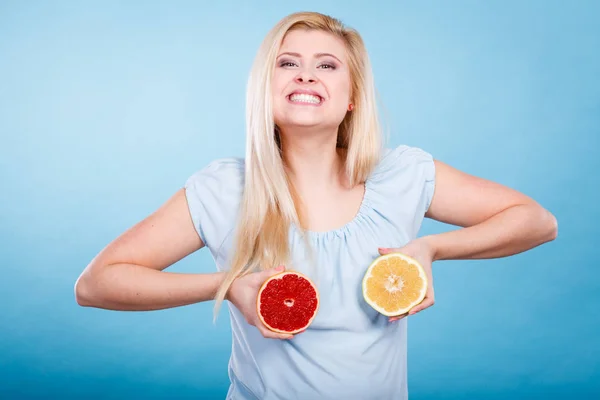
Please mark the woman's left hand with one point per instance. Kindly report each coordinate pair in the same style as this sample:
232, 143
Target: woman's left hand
422, 251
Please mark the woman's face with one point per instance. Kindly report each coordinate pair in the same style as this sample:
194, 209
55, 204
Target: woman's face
311, 82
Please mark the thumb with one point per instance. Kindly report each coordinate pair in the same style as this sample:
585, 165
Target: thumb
385, 250
271, 271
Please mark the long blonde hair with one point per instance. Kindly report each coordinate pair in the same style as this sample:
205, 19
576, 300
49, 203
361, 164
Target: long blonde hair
268, 206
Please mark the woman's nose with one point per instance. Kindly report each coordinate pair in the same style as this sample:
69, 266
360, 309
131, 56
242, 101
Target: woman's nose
305, 77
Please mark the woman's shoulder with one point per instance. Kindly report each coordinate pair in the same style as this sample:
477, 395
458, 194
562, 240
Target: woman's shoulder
404, 176
403, 162
231, 169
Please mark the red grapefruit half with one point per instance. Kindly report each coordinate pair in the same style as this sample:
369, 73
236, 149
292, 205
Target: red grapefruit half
287, 302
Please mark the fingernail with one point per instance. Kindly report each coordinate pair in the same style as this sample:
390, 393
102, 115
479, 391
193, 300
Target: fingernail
280, 268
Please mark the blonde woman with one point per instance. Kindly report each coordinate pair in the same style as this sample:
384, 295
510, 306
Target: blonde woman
316, 192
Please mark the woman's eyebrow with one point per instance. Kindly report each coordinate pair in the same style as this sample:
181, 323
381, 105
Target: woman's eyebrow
317, 55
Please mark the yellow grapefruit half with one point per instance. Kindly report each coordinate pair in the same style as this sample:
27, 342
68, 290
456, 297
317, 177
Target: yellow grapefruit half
394, 283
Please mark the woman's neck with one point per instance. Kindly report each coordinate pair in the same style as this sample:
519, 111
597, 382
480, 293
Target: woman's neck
312, 160
315, 167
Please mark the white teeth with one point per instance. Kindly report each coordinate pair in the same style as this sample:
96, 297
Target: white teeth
305, 98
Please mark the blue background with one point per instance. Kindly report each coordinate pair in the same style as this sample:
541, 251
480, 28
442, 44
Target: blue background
107, 107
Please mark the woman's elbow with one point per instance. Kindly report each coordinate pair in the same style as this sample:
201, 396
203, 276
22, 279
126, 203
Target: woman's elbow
553, 226
82, 291
85, 289
548, 224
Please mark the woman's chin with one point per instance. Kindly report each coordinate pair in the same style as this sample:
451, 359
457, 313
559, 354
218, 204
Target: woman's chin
307, 123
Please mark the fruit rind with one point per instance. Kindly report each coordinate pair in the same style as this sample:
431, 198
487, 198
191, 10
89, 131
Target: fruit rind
404, 310
280, 276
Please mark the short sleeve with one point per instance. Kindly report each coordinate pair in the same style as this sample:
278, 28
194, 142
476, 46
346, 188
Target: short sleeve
403, 185
425, 171
213, 195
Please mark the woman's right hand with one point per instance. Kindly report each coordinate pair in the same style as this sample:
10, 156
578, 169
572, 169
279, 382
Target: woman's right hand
243, 293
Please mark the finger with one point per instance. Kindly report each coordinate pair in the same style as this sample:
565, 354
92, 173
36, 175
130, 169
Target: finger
427, 302
397, 317
271, 271
274, 335
385, 250
261, 277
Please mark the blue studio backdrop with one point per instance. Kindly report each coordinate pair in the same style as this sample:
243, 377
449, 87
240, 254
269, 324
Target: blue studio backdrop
106, 108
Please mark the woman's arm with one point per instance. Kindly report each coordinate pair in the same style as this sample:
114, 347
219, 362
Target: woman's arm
128, 274
497, 221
